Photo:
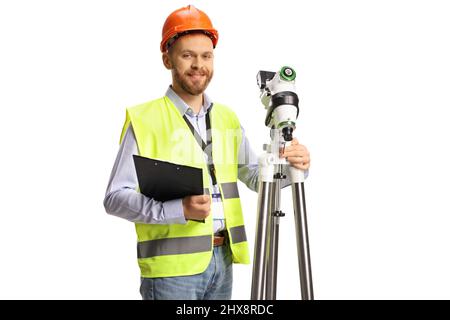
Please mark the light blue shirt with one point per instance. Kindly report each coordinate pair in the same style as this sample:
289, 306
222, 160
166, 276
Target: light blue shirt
122, 199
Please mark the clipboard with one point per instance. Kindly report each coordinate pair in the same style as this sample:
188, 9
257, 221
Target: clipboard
165, 181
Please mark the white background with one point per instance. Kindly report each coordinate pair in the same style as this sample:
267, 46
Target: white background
374, 80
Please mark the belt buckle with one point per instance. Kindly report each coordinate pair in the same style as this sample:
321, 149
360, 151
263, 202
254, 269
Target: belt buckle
220, 238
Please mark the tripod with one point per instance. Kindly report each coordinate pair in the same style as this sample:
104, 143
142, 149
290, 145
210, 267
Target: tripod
281, 101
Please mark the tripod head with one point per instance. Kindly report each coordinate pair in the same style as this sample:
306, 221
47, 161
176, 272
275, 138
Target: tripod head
280, 100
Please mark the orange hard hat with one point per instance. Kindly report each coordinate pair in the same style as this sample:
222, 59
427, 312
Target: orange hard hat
185, 20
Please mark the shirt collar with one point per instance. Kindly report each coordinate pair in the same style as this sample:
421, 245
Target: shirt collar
183, 107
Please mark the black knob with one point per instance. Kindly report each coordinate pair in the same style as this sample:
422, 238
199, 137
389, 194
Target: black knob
287, 133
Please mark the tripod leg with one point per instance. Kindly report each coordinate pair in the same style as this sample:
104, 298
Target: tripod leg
273, 228
261, 250
298, 195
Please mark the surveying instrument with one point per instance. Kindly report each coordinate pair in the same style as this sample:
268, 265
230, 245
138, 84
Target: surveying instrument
281, 102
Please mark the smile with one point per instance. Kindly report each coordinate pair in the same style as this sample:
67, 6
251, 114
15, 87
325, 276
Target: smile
196, 76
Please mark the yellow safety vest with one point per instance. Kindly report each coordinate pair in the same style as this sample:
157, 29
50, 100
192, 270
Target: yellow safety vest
162, 133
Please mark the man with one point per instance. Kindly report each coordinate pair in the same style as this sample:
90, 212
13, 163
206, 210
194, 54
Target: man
186, 247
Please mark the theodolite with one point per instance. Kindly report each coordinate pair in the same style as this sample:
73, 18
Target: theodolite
279, 97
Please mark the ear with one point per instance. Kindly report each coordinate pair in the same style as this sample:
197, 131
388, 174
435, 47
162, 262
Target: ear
166, 61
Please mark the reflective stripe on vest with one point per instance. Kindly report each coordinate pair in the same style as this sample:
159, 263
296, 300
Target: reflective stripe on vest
229, 190
183, 245
160, 247
237, 234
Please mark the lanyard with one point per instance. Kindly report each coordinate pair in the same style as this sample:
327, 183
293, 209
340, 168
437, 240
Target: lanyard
206, 147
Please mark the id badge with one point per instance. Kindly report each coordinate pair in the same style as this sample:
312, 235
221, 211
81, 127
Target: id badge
217, 207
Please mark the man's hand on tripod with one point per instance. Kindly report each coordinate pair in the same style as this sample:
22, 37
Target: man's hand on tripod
297, 155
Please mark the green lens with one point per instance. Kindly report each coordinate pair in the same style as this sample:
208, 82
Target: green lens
287, 73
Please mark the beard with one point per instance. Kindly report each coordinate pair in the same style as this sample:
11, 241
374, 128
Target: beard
193, 86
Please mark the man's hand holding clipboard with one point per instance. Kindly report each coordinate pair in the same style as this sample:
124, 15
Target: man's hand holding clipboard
197, 207
165, 181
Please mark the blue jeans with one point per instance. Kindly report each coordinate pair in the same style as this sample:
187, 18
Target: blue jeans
215, 283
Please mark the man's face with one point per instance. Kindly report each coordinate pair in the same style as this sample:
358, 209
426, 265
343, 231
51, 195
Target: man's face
191, 60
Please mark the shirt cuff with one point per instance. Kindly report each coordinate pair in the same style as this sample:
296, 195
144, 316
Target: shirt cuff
173, 211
